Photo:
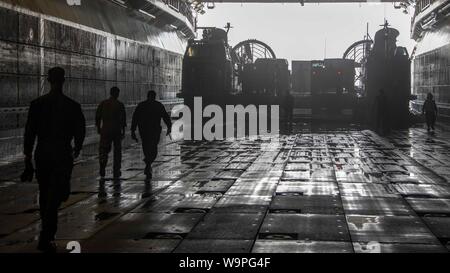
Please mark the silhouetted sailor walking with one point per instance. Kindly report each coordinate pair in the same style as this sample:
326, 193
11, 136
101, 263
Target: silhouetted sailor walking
111, 121
54, 120
382, 113
147, 117
430, 110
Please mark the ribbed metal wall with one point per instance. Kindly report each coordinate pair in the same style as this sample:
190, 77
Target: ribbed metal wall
31, 43
432, 75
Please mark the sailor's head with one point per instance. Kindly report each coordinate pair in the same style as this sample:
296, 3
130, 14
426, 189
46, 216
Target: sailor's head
56, 77
429, 96
151, 95
114, 92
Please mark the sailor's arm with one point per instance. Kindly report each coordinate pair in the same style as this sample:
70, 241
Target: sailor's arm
30, 132
79, 132
166, 119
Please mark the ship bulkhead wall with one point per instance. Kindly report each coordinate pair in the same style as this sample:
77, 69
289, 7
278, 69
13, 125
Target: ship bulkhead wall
98, 44
431, 69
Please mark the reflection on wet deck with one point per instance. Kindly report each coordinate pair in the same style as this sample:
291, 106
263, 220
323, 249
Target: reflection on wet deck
329, 191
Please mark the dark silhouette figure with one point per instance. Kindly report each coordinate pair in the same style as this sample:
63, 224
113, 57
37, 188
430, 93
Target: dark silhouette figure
147, 117
288, 105
382, 113
111, 121
102, 194
55, 120
430, 110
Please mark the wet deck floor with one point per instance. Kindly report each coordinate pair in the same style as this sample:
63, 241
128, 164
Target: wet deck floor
330, 191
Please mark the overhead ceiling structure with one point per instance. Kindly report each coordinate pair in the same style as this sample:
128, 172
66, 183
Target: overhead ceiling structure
175, 15
200, 5
300, 1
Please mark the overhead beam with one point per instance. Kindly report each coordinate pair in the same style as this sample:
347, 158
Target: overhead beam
300, 1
